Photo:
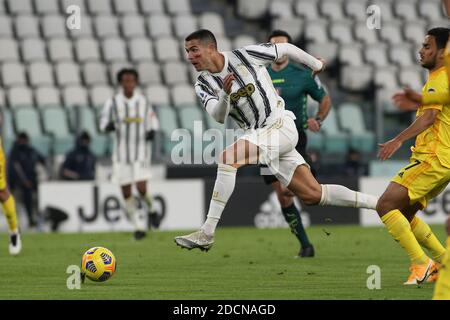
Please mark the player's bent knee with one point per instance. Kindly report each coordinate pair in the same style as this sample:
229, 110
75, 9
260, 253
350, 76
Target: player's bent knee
4, 194
312, 197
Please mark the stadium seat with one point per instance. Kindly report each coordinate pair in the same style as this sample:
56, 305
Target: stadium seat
74, 96
315, 140
376, 55
67, 73
169, 124
406, 9
383, 100
13, 74
175, 72
411, 77
2, 98
316, 31
85, 119
293, 26
401, 54
20, 97
341, 32
6, 30
47, 96
159, 25
99, 94
7, 130
212, 21
55, 123
60, 50
20, 6
125, 6
2, 6
332, 9
243, 40
114, 69
87, 49
167, 49
364, 34
335, 141
386, 77
223, 43
430, 10
132, 26
352, 119
415, 31
152, 7
114, 50
10, 51
141, 49
184, 24
94, 73
54, 26
391, 32
40, 74
326, 50
356, 9
175, 7
386, 10
280, 9
149, 73
183, 95
106, 26
157, 94
351, 55
28, 120
191, 118
252, 9
99, 7
86, 30
33, 49
79, 3
388, 168
27, 26
47, 7
307, 9
356, 78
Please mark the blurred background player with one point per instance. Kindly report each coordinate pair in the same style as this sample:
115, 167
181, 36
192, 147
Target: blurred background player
237, 83
131, 117
429, 171
80, 162
294, 83
8, 205
23, 177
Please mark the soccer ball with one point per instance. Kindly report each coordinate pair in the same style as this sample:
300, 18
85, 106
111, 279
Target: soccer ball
98, 264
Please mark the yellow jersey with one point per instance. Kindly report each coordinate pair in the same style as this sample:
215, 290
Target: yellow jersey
440, 98
435, 139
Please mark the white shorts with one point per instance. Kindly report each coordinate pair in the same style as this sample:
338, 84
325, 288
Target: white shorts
277, 143
125, 174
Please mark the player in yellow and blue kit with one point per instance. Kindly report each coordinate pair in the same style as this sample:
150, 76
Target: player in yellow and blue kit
428, 174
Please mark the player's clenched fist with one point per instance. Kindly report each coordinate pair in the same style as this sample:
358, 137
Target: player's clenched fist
227, 83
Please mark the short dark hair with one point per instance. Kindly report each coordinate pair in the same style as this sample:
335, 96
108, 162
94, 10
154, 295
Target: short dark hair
279, 33
23, 135
205, 36
440, 35
125, 71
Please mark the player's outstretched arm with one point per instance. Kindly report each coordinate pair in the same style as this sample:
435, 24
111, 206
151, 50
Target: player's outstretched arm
422, 123
300, 56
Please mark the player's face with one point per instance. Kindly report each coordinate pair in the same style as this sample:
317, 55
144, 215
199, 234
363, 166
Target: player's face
428, 53
128, 83
198, 54
280, 39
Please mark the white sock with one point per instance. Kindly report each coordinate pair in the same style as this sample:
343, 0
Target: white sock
337, 195
130, 208
223, 188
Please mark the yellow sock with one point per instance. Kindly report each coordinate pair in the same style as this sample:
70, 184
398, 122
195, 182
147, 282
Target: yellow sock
398, 226
427, 239
442, 288
9, 209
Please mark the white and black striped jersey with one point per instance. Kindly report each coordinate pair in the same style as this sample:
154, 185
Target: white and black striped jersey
132, 118
254, 102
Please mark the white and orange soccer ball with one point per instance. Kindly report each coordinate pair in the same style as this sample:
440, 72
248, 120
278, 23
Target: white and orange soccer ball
98, 264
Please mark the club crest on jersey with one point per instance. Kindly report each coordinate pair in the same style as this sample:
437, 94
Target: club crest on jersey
246, 91
242, 70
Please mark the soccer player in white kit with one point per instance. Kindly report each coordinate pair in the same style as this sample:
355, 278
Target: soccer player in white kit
134, 122
237, 84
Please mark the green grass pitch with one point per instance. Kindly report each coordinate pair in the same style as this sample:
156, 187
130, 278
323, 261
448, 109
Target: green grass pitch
244, 263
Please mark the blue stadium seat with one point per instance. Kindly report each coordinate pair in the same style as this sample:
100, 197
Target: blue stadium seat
55, 123
27, 120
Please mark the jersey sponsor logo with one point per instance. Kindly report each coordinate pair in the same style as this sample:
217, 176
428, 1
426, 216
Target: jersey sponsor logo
275, 81
246, 91
133, 120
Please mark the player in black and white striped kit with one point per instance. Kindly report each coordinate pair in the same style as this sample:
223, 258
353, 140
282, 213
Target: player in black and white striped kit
237, 84
134, 123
